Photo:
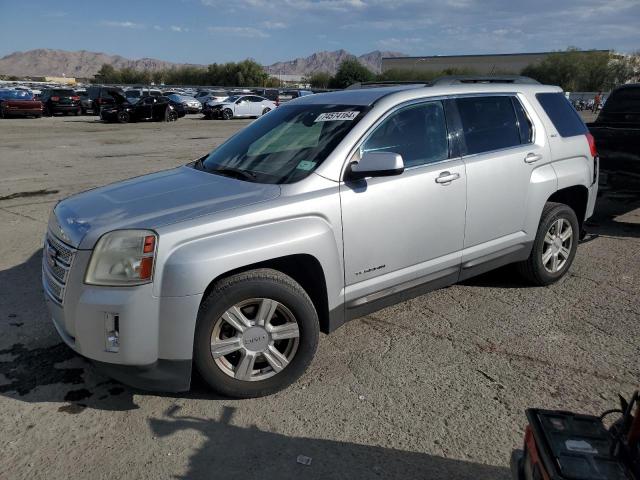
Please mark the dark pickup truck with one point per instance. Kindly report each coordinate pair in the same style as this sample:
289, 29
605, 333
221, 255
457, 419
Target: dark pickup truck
617, 131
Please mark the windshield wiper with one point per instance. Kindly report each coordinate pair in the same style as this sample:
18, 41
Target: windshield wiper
234, 173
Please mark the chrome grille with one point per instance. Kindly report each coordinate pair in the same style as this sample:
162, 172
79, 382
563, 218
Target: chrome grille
57, 258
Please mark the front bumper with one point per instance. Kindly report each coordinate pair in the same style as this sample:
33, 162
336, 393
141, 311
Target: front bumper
155, 333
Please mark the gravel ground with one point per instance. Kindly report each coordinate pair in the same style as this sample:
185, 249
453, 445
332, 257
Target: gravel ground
432, 388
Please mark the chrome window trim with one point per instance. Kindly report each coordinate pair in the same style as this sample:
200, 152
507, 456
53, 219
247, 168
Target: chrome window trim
500, 94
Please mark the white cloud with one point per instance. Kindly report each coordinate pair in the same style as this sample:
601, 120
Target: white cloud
176, 28
127, 24
270, 25
157, 27
245, 32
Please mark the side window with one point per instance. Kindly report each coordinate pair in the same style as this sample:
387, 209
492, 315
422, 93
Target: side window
524, 123
488, 123
417, 132
562, 114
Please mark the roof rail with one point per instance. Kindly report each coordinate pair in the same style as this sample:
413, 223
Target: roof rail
462, 79
386, 83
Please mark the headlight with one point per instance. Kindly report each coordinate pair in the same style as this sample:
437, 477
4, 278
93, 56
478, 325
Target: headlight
123, 257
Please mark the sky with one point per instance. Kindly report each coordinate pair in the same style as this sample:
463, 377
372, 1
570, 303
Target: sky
207, 31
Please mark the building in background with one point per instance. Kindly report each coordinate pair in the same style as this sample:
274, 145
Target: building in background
501, 63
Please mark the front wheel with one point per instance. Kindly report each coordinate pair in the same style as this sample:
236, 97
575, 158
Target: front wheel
265, 111
227, 114
554, 247
124, 117
256, 333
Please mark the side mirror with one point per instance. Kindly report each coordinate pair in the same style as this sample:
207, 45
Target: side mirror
376, 164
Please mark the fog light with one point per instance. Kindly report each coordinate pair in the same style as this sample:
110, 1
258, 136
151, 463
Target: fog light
112, 332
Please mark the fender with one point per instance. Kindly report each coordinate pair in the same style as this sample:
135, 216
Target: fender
190, 268
542, 185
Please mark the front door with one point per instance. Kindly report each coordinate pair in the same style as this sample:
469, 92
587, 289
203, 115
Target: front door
243, 107
407, 230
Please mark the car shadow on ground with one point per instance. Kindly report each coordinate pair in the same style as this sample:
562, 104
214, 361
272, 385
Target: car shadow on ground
229, 451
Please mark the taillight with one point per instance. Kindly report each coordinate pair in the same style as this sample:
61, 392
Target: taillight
75, 98
592, 144
55, 99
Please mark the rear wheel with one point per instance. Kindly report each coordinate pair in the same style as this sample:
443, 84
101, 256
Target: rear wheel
265, 111
227, 114
554, 247
256, 334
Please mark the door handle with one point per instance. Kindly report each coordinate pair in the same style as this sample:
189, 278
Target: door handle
532, 157
447, 177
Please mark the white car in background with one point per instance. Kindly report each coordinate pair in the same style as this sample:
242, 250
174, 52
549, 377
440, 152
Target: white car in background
238, 106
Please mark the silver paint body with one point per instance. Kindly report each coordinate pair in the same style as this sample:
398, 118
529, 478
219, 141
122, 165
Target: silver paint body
399, 230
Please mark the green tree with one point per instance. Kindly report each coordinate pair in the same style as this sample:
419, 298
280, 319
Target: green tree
351, 71
319, 80
107, 74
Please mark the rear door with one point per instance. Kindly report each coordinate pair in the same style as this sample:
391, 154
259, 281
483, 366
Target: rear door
500, 155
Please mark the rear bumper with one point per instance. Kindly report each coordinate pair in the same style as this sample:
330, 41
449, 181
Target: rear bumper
64, 108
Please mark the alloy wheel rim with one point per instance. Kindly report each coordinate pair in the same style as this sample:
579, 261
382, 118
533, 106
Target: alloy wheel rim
255, 339
557, 245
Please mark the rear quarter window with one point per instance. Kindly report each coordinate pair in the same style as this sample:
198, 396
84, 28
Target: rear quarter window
562, 114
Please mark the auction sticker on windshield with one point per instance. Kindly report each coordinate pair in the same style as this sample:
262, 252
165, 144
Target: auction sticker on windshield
336, 116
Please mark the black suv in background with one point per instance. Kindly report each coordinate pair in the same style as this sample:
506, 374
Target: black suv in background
60, 100
100, 97
617, 131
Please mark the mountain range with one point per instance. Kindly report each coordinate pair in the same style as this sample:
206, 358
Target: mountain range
84, 64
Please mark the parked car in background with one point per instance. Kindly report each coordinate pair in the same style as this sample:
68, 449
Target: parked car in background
238, 106
288, 95
149, 108
60, 100
327, 209
617, 131
213, 96
189, 103
85, 102
133, 94
272, 94
100, 96
19, 103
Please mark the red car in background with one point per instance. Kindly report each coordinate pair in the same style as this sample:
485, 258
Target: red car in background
19, 103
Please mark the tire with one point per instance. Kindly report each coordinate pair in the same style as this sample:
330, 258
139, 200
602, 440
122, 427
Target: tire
123, 117
266, 110
171, 115
248, 291
548, 243
2, 114
227, 114
83, 111
78, 112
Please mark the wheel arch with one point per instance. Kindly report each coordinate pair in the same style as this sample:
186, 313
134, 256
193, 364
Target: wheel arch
304, 269
576, 197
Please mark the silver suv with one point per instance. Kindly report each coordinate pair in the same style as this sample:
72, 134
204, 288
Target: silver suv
326, 209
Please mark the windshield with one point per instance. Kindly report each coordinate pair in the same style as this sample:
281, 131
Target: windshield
16, 95
285, 145
232, 98
132, 94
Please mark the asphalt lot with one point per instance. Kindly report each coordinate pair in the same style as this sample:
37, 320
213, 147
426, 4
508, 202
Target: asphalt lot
432, 388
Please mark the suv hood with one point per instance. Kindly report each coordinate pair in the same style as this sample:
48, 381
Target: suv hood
150, 202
